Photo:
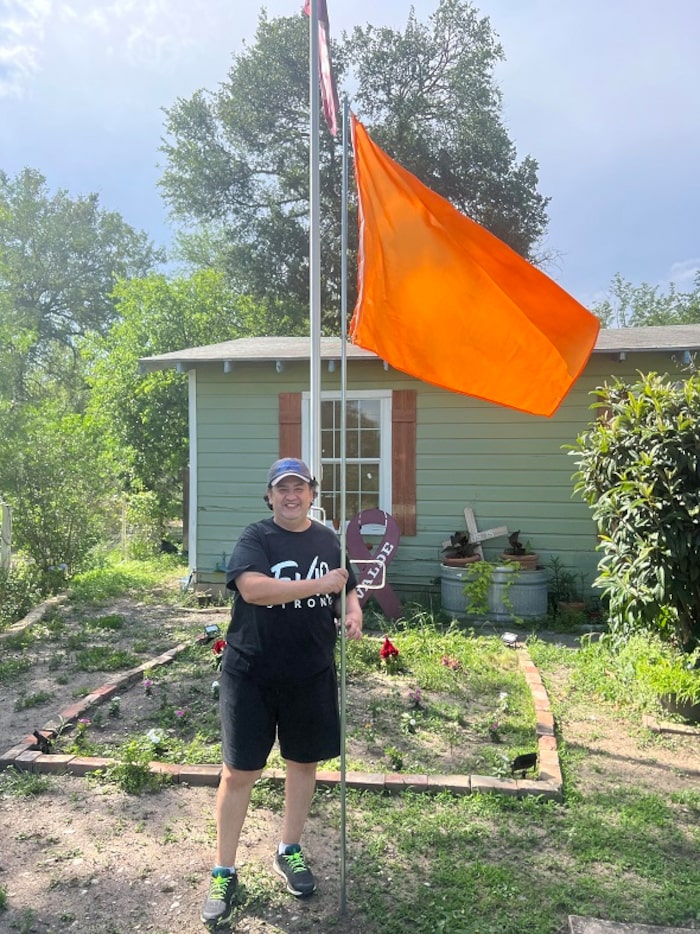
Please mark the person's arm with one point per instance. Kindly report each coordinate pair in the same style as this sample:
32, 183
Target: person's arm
261, 590
353, 616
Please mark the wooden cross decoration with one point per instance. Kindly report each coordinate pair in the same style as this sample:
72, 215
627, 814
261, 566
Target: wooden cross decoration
478, 537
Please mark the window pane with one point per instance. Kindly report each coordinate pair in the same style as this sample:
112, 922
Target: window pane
369, 412
363, 455
370, 441
330, 442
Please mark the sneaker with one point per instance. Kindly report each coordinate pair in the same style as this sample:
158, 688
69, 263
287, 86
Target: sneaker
293, 869
219, 907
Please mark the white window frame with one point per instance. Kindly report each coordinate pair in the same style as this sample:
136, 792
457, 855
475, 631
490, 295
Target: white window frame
384, 396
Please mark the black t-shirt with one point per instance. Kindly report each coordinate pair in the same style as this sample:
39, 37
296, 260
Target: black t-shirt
295, 640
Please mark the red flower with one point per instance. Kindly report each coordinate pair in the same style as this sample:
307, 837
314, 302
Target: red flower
218, 647
388, 650
450, 662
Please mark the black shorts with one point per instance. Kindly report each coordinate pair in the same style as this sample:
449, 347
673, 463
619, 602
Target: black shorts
302, 714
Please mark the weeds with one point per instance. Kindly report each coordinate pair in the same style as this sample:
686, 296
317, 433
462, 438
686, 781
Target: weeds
23, 784
105, 658
132, 772
24, 701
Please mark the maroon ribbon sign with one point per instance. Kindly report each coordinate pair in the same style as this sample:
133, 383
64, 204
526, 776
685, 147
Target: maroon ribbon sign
371, 566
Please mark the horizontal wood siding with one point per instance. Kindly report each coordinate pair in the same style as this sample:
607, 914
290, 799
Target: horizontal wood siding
508, 466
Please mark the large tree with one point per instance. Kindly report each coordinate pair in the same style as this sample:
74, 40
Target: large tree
144, 416
237, 158
61, 257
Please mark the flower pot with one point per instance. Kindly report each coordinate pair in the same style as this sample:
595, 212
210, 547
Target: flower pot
513, 592
526, 562
571, 608
460, 562
688, 709
517, 593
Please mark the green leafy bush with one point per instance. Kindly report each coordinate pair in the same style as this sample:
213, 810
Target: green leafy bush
19, 592
639, 468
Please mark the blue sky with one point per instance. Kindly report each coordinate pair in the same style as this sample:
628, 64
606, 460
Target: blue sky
604, 94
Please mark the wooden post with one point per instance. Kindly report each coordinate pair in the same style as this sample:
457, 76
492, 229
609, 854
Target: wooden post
5, 536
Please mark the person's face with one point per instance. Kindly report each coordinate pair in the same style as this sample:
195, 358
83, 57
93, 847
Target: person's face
291, 499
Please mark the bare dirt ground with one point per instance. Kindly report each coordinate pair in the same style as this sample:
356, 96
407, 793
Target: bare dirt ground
92, 859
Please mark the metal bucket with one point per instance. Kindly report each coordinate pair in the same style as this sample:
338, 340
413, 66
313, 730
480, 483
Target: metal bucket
513, 593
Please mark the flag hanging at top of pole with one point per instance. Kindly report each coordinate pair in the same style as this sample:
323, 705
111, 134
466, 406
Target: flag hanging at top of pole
444, 300
329, 93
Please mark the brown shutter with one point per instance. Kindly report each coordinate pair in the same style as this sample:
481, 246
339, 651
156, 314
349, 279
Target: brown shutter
290, 424
403, 459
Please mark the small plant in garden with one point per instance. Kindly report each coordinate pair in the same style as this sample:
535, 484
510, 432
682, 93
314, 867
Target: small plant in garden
395, 757
81, 728
156, 738
115, 706
182, 716
148, 687
389, 655
494, 731
32, 700
218, 650
132, 771
415, 698
408, 723
10, 668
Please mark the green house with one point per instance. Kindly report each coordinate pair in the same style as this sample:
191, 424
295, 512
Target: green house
414, 450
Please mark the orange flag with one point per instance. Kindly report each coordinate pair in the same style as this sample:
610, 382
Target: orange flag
442, 299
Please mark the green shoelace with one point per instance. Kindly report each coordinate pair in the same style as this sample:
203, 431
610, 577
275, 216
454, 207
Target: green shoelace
296, 862
218, 887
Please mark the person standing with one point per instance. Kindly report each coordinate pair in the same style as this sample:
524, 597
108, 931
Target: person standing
278, 677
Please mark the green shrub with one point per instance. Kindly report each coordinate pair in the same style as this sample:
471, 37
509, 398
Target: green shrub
144, 525
19, 591
638, 467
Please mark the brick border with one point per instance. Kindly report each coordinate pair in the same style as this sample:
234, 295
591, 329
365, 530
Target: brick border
26, 756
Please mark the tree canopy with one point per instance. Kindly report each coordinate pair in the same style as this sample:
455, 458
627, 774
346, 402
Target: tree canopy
238, 158
635, 306
144, 416
60, 257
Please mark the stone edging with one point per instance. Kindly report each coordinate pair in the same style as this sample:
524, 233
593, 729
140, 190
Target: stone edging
26, 756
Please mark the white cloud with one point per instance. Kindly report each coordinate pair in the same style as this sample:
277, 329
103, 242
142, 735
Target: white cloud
22, 31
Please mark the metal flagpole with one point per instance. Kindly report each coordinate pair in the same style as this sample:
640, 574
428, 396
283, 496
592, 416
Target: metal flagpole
314, 254
343, 495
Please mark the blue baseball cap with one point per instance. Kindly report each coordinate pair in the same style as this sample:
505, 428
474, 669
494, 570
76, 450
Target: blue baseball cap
288, 467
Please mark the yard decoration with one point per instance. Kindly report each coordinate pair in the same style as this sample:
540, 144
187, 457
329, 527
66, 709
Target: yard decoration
371, 564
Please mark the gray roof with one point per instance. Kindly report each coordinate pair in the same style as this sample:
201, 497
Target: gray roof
669, 339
